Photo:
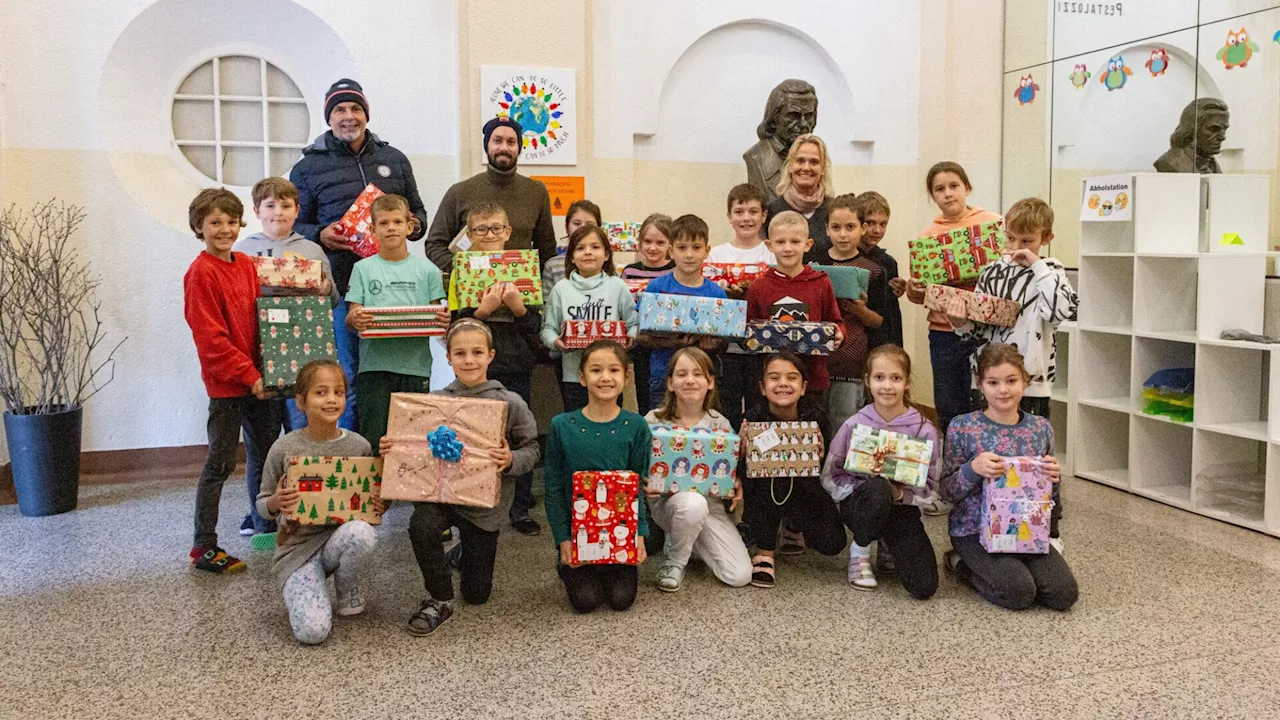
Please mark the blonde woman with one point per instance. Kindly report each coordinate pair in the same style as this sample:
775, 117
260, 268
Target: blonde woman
806, 189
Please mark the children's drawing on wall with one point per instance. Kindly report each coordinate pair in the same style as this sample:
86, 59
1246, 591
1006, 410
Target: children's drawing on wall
1116, 74
1239, 49
1158, 62
1026, 92
1079, 76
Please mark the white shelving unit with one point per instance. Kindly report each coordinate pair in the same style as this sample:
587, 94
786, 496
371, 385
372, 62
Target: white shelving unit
1158, 291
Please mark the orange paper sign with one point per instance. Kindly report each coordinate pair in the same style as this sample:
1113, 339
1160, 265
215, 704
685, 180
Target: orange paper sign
565, 190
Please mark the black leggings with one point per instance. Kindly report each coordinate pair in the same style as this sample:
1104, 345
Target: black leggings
872, 515
809, 509
1017, 581
589, 586
479, 551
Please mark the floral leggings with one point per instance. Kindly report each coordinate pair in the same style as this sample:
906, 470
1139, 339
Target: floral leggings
306, 595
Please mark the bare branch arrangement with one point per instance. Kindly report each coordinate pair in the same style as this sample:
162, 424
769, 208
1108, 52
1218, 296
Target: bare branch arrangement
51, 334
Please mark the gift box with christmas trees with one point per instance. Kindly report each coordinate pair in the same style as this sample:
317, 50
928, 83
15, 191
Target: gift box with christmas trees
334, 490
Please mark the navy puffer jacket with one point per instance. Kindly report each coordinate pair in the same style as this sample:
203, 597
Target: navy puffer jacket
330, 176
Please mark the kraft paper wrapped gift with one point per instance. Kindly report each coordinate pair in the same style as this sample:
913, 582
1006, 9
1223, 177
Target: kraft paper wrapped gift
288, 275
896, 456
1016, 509
849, 282
728, 275
986, 309
577, 334
356, 224
623, 236
605, 520
417, 469
692, 315
474, 272
293, 331
700, 460
783, 449
957, 257
334, 490
406, 321
805, 338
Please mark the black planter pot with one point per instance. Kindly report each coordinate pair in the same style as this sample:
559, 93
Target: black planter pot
45, 454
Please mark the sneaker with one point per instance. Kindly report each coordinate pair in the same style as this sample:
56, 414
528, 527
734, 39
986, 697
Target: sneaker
1056, 544
884, 561
670, 576
790, 542
527, 526
350, 603
246, 526
937, 507
454, 555
216, 560
860, 574
431, 615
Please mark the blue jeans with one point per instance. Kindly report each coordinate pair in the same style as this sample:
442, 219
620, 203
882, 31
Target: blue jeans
348, 344
952, 376
522, 385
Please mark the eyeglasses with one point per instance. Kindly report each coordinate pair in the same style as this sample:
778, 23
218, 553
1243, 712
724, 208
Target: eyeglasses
489, 230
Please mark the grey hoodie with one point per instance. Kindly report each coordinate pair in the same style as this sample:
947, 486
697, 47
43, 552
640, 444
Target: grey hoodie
260, 244
522, 438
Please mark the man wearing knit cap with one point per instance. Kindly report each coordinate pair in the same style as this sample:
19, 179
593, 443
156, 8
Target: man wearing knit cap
526, 200
330, 176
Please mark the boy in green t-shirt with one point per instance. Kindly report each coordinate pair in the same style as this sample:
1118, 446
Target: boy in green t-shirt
391, 278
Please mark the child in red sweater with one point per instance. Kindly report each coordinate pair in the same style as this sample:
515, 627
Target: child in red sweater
220, 291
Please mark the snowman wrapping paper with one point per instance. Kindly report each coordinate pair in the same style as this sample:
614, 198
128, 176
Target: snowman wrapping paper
956, 257
334, 490
474, 272
783, 449
411, 470
1016, 508
693, 315
293, 331
699, 460
604, 521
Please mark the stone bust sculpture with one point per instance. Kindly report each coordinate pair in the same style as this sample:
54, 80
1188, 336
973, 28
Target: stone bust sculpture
1201, 130
791, 111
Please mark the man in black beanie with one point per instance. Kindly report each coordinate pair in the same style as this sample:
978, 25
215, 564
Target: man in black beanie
526, 200
330, 176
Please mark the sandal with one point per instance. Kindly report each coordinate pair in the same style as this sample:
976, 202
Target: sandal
762, 575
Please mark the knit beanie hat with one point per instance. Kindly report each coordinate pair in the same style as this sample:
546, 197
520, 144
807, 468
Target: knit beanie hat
345, 90
498, 122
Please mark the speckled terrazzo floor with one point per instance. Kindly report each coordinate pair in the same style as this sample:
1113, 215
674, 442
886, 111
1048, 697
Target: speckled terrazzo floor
101, 618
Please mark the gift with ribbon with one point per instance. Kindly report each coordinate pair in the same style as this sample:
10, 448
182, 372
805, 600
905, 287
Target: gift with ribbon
895, 456
440, 449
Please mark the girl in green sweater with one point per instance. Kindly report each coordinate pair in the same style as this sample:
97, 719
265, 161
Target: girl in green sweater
600, 436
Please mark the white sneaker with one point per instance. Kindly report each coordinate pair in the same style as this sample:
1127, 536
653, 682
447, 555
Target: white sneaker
1056, 544
351, 603
860, 574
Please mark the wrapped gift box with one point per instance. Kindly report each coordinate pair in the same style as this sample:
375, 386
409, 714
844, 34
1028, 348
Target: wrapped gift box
637, 286
293, 331
805, 338
475, 272
692, 315
605, 520
356, 224
414, 470
783, 449
406, 321
728, 275
288, 275
957, 257
334, 490
899, 457
1016, 509
623, 236
700, 460
577, 334
986, 309
849, 282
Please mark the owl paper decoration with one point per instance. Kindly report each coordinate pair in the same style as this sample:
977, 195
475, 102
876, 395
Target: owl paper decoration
1158, 62
1026, 92
1116, 74
1079, 76
1238, 51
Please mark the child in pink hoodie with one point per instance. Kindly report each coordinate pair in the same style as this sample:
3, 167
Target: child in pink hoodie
878, 509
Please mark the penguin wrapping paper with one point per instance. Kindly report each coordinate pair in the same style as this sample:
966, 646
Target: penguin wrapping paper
577, 334
692, 315
288, 275
699, 460
604, 521
729, 275
411, 469
356, 224
805, 338
334, 490
783, 449
293, 331
475, 272
957, 257
986, 309
623, 236
896, 456
1016, 509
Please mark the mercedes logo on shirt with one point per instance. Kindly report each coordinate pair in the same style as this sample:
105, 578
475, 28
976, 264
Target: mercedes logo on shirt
375, 287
